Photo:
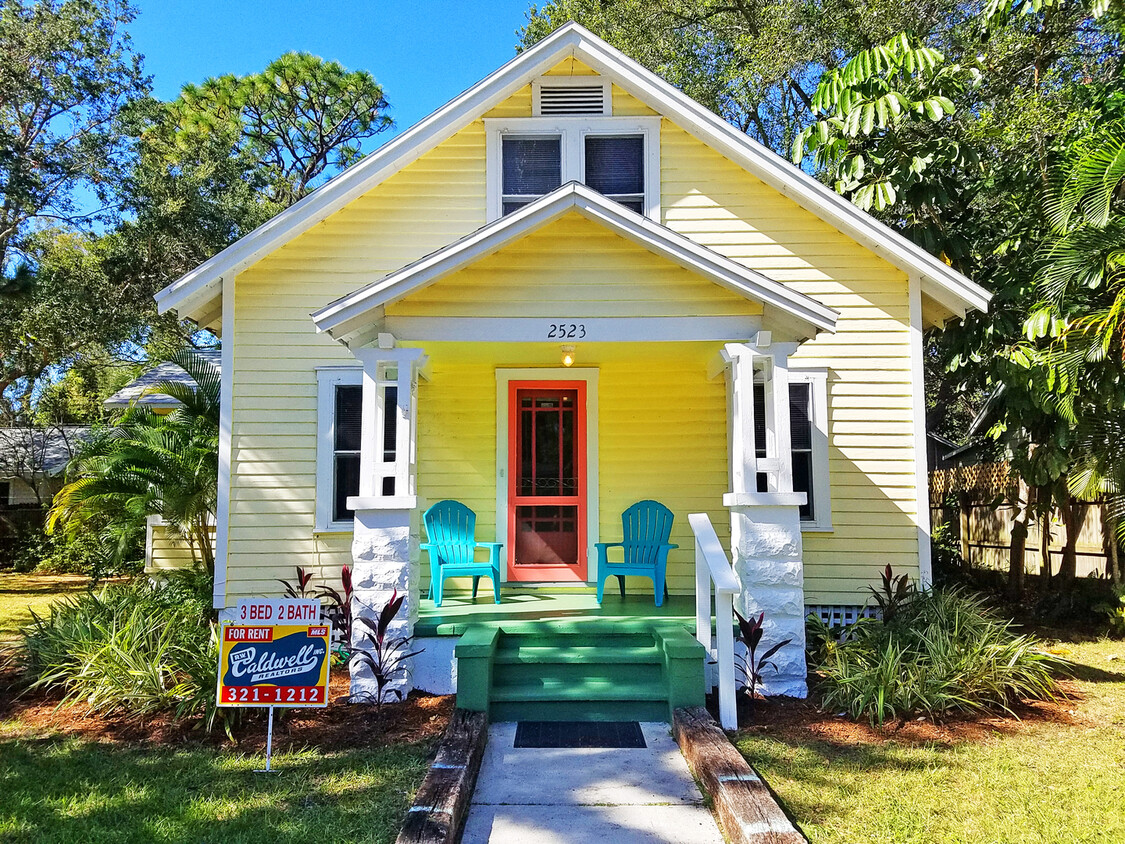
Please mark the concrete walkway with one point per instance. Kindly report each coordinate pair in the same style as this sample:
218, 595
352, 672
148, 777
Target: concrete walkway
587, 795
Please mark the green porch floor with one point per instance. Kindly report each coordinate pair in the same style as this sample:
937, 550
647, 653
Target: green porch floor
560, 610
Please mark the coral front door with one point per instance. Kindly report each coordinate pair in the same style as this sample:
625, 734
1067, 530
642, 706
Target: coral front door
547, 481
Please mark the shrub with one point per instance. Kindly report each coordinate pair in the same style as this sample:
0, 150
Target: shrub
140, 647
942, 651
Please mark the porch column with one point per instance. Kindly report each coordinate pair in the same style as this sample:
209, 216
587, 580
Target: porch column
766, 526
386, 537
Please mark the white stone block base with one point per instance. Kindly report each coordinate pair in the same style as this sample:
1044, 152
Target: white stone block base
766, 546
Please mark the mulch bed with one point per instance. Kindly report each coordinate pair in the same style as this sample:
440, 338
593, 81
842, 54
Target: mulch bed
340, 726
800, 721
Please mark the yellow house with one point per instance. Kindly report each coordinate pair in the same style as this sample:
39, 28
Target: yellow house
574, 284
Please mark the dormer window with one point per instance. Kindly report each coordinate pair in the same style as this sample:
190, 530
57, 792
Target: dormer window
616, 156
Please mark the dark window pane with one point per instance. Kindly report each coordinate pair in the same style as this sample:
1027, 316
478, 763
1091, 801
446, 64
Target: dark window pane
633, 205
615, 165
532, 166
509, 207
390, 422
802, 481
388, 486
800, 418
347, 483
759, 420
348, 417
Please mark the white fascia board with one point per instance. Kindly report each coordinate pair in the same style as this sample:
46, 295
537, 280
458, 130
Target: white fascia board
940, 281
370, 171
348, 313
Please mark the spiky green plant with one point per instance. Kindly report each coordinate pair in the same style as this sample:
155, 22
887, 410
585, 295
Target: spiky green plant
943, 651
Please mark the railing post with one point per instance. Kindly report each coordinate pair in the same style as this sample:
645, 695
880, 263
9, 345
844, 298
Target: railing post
724, 633
702, 599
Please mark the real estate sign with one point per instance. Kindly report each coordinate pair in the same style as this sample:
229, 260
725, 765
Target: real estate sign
275, 653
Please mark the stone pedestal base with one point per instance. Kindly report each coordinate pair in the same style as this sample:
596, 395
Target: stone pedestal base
766, 547
383, 546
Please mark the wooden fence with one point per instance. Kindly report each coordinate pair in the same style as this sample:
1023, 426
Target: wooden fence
977, 502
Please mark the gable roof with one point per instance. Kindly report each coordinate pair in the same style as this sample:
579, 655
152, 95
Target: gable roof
28, 452
134, 391
351, 312
193, 291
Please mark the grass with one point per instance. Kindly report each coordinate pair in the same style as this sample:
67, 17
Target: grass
1041, 782
58, 789
20, 594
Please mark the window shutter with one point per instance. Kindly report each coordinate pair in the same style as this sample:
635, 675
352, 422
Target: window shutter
572, 100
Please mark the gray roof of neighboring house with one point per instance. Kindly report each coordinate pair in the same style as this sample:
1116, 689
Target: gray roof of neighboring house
26, 452
165, 371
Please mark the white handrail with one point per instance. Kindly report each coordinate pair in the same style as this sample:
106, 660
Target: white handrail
713, 567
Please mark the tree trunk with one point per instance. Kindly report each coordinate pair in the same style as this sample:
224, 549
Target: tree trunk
965, 527
1019, 543
1109, 547
1072, 514
1043, 497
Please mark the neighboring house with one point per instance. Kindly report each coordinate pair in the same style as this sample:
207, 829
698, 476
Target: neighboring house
33, 462
573, 280
164, 549
32, 468
165, 371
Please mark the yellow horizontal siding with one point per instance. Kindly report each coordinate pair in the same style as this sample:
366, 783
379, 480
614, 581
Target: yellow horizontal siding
167, 551
436, 199
871, 431
573, 267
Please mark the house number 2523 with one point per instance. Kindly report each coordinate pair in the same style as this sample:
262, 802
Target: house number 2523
566, 331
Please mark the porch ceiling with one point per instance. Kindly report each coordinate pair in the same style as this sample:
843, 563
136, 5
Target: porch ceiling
354, 318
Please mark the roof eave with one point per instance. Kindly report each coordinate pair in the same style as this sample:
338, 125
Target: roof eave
357, 180
349, 313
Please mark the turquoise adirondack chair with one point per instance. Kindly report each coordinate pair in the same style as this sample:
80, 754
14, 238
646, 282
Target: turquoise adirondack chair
451, 528
645, 527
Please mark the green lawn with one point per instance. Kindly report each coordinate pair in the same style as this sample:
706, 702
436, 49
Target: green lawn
1042, 782
22, 593
68, 790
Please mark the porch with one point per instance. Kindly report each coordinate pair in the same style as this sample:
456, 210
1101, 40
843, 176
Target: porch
563, 610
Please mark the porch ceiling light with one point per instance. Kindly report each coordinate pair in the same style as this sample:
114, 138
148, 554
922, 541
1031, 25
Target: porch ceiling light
567, 355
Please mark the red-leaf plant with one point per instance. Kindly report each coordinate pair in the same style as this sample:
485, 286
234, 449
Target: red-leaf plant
387, 655
301, 589
338, 608
752, 663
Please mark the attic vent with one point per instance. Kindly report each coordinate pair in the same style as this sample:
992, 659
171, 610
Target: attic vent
572, 100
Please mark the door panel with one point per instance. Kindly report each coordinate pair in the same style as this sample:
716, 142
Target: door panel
547, 481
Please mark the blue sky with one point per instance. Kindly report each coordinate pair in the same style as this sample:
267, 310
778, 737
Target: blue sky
423, 53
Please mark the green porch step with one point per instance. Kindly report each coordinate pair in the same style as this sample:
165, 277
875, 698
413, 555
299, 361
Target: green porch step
592, 673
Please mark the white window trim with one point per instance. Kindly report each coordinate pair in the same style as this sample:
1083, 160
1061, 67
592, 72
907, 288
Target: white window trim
817, 378
542, 82
593, 511
573, 131
327, 379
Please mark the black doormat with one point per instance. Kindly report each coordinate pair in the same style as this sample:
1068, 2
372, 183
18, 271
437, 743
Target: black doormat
579, 734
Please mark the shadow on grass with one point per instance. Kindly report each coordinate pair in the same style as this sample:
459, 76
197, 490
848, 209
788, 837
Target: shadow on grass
66, 790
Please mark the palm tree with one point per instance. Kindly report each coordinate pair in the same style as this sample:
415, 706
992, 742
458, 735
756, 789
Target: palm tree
1083, 286
151, 465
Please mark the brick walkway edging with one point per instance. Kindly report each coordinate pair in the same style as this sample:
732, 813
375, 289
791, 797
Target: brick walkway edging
442, 802
746, 808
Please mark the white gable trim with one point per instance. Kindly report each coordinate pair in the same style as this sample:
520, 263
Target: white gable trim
354, 311
949, 287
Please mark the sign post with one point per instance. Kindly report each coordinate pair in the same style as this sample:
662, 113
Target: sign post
274, 653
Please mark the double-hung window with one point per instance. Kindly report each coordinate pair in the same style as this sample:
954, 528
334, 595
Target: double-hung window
808, 434
339, 430
616, 156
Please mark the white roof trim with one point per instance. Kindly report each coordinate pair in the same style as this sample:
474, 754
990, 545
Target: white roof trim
353, 311
943, 283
